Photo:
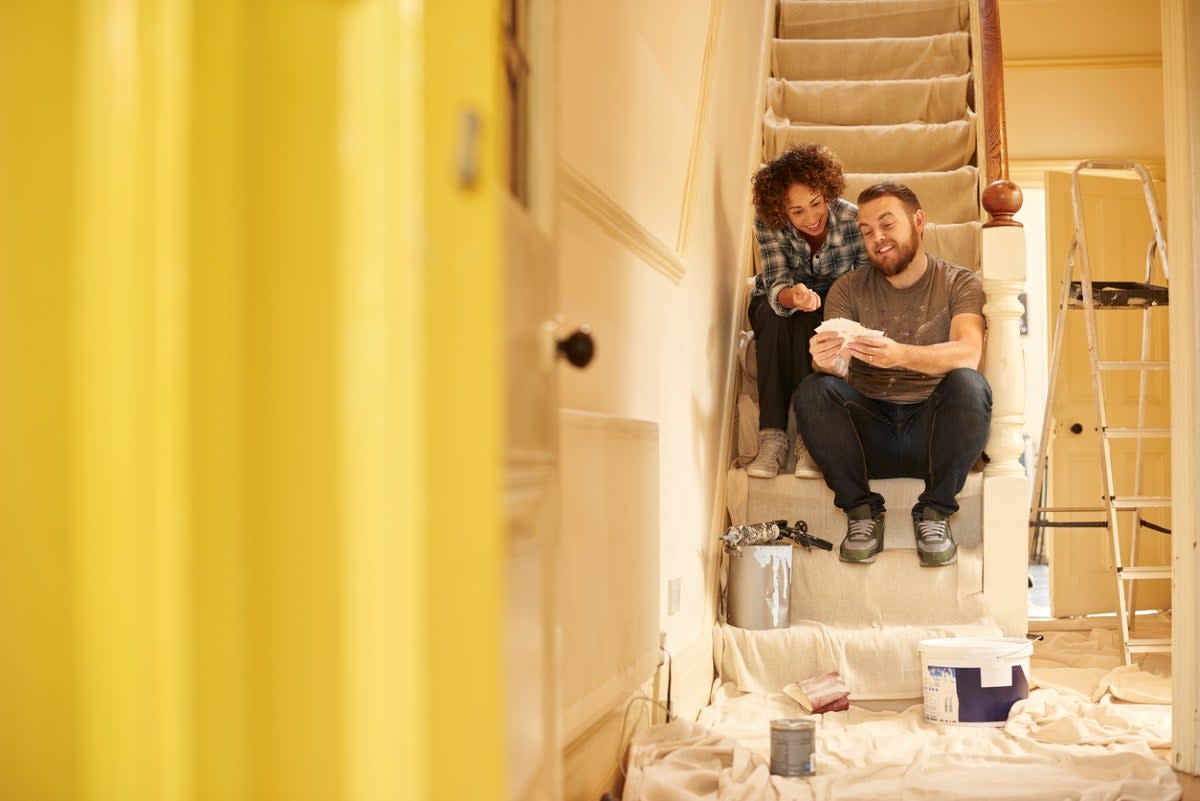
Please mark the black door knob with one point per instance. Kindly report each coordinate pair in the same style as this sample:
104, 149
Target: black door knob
1076, 429
578, 347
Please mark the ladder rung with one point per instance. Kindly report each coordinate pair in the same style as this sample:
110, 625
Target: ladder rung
1134, 573
1146, 646
1069, 523
1134, 364
1069, 509
1141, 502
1136, 433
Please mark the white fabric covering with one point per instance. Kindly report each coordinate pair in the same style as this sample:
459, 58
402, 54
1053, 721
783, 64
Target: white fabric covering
823, 19
906, 147
1057, 744
877, 663
894, 57
939, 99
886, 755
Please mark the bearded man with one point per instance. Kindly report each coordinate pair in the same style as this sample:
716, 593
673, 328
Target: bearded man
906, 398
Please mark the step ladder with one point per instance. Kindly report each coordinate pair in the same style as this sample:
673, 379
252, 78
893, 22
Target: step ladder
1096, 299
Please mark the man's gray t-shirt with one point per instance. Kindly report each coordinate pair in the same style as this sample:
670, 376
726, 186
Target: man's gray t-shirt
917, 315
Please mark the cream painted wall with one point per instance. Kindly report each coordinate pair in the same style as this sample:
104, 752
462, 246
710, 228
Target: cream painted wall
1083, 79
1133, 56
630, 79
659, 123
1086, 28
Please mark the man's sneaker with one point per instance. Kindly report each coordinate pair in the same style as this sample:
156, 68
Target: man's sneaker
805, 466
772, 454
864, 536
935, 543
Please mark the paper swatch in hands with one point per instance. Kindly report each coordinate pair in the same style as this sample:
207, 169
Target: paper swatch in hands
848, 330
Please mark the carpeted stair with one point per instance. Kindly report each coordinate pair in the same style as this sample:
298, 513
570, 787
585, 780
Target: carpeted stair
886, 84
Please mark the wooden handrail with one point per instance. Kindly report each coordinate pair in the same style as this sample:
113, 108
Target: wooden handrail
1001, 198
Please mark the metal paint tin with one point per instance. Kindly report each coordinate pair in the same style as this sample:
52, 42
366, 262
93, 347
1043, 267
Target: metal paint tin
792, 746
759, 587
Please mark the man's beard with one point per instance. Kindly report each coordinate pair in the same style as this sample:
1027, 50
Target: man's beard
903, 252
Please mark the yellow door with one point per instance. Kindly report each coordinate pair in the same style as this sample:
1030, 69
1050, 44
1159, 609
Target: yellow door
252, 409
459, 272
1082, 575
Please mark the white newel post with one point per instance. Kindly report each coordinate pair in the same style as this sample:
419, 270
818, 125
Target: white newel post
1005, 486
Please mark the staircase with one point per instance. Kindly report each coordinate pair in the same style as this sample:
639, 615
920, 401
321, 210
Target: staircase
899, 89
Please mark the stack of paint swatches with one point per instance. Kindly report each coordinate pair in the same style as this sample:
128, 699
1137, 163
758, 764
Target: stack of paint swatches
820, 694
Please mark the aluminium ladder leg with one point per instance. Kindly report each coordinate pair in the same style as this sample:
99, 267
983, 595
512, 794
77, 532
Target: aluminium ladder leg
1092, 296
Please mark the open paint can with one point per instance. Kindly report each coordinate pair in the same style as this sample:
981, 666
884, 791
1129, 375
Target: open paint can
973, 681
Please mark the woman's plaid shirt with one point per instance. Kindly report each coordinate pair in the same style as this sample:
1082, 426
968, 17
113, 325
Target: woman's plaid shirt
787, 259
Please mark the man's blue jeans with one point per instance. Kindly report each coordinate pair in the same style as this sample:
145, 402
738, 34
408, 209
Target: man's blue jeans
853, 438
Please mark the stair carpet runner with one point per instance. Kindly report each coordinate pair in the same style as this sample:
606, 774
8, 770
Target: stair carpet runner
886, 84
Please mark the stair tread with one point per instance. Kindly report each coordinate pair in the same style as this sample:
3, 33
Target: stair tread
907, 147
955, 242
936, 100
875, 663
869, 18
859, 59
791, 498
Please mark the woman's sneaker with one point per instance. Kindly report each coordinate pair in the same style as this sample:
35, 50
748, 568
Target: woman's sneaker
772, 454
864, 536
935, 543
805, 466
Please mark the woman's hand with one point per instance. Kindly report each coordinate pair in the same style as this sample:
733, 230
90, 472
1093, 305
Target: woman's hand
799, 297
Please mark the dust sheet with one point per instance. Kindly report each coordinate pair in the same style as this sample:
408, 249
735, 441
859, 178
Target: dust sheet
1091, 729
1054, 747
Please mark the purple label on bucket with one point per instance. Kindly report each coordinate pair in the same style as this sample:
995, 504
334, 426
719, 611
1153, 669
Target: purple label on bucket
957, 695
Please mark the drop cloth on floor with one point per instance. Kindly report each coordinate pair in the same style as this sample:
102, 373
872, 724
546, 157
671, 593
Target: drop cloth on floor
1073, 738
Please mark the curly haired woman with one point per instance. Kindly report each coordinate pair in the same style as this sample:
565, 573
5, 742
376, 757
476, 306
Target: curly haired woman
807, 236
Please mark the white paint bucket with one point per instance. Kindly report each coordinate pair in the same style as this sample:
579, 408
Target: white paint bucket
973, 682
759, 587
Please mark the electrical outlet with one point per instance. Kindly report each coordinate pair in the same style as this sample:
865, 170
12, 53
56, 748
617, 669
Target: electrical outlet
673, 595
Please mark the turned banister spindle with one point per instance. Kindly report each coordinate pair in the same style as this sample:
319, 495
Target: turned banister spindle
1004, 369
1003, 257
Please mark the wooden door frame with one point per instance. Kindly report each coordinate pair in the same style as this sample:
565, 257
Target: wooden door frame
1181, 123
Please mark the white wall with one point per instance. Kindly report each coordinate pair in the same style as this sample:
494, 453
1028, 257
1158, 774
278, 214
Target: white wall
659, 131
1083, 80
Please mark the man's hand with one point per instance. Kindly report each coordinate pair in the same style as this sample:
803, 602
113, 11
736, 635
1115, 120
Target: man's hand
799, 297
878, 351
827, 353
